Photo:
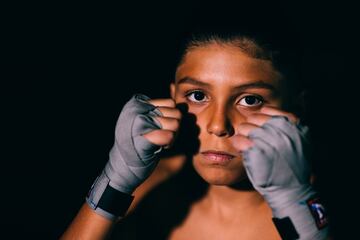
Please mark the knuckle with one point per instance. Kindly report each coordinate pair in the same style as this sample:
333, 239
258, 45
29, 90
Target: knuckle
169, 135
178, 113
153, 101
176, 123
172, 103
169, 123
161, 109
170, 112
160, 119
162, 102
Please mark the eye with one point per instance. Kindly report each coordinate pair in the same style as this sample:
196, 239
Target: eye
196, 96
251, 101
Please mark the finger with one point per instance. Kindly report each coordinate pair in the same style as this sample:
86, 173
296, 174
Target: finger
272, 111
245, 128
258, 118
160, 137
241, 143
170, 112
167, 123
162, 102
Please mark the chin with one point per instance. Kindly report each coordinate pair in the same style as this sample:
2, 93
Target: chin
218, 181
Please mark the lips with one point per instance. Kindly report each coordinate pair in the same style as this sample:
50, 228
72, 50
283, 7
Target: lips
217, 157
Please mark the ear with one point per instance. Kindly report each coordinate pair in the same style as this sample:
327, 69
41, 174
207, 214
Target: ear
172, 90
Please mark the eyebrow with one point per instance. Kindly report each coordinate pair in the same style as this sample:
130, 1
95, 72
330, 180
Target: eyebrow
242, 87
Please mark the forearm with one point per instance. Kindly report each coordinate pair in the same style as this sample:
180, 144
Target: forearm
88, 225
139, 138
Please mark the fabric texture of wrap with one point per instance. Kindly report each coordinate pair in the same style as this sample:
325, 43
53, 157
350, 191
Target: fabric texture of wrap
278, 168
132, 157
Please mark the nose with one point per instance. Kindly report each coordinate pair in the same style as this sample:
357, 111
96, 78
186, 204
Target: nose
220, 123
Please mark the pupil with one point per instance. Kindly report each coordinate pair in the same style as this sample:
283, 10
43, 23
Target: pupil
198, 96
250, 100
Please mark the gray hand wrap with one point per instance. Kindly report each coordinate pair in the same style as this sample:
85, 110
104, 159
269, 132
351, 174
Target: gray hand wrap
132, 157
278, 169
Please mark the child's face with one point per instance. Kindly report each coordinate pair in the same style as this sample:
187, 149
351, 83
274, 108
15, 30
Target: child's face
222, 86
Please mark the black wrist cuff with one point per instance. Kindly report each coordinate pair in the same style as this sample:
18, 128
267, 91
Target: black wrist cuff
285, 228
106, 200
114, 201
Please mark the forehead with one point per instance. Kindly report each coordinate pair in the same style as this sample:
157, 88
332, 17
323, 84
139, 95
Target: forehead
225, 64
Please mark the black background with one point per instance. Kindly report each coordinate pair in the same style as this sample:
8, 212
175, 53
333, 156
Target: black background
69, 68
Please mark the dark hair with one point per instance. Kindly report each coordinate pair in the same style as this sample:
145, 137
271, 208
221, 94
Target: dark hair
260, 33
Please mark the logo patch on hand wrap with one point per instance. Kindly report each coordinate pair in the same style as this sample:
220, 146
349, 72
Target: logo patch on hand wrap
319, 213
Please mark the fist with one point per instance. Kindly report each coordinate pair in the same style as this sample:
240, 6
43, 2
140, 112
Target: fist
275, 150
143, 128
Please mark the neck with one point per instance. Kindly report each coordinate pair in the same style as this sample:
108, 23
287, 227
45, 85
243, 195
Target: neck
226, 201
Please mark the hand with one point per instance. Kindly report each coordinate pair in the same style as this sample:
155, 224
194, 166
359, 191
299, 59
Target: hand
143, 128
275, 148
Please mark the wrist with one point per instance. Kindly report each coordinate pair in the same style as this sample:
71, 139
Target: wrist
106, 200
282, 201
302, 213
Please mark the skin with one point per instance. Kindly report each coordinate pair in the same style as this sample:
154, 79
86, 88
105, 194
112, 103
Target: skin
223, 76
229, 81
225, 81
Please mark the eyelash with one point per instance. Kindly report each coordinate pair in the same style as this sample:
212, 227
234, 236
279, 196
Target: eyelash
189, 93
257, 97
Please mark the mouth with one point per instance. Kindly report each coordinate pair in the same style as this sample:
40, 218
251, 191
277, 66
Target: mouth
213, 157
